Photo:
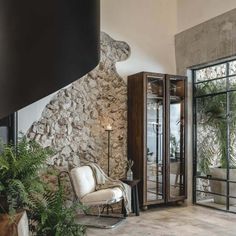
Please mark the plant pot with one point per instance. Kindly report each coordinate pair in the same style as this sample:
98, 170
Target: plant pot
4, 207
14, 225
221, 186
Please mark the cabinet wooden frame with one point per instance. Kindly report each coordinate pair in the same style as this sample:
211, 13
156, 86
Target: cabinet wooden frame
137, 134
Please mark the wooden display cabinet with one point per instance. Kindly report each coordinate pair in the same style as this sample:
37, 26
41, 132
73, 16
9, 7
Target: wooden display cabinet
156, 136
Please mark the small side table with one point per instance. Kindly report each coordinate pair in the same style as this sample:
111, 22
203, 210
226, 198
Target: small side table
134, 194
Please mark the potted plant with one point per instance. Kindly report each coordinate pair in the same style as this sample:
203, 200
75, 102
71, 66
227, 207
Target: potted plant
212, 146
23, 186
19, 166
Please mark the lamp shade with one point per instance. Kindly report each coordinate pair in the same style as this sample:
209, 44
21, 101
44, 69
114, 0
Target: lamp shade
44, 46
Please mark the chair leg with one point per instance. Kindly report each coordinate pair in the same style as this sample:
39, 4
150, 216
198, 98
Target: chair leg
123, 209
132, 200
107, 207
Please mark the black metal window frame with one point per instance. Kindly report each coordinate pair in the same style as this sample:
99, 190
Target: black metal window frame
227, 91
11, 123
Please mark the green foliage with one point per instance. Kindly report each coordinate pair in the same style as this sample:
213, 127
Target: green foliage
22, 186
52, 217
205, 154
213, 121
19, 168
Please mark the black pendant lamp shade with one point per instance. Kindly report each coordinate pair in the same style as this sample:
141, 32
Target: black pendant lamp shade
44, 46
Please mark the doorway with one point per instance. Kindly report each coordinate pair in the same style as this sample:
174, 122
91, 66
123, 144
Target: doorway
214, 136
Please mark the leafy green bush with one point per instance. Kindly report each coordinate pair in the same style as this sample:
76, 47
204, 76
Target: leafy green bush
19, 177
52, 217
22, 186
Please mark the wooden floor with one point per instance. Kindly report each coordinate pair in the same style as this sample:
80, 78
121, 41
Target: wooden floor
174, 221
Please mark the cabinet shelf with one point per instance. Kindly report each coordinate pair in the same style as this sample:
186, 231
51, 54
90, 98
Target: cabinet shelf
176, 98
172, 97
153, 96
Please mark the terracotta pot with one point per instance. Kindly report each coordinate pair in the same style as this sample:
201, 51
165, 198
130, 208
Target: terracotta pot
16, 225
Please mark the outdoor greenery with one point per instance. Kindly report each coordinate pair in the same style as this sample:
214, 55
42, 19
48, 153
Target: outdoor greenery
212, 119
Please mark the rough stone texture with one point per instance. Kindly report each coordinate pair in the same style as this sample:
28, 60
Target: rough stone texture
212, 40
203, 185
74, 121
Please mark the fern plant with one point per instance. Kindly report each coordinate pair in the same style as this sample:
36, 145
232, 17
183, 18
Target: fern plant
22, 187
19, 166
51, 216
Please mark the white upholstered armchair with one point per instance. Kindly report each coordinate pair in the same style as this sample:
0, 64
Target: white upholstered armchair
92, 187
84, 184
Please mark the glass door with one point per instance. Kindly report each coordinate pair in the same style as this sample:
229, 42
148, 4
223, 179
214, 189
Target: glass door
211, 185
155, 141
215, 136
175, 144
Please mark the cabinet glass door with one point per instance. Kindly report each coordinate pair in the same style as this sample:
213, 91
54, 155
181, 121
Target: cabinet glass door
176, 158
155, 142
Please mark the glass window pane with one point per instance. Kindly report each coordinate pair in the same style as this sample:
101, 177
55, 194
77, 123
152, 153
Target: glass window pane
155, 128
203, 187
232, 194
4, 134
215, 146
210, 87
212, 186
212, 72
232, 190
218, 187
232, 82
232, 205
232, 68
209, 200
211, 133
176, 138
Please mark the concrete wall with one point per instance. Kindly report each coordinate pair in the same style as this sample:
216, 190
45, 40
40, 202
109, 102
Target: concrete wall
194, 12
205, 43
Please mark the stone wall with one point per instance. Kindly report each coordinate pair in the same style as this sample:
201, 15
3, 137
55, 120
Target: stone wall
74, 121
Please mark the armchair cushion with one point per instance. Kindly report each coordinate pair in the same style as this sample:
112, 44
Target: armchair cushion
103, 196
83, 181
93, 187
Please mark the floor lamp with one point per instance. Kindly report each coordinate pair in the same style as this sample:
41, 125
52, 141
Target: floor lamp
108, 130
